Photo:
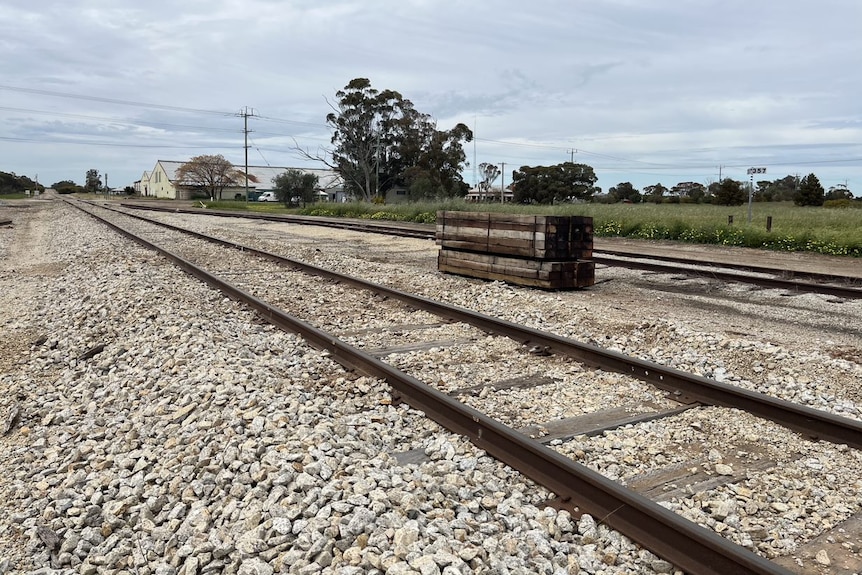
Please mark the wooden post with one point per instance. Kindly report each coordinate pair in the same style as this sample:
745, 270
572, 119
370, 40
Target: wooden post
730, 220
768, 223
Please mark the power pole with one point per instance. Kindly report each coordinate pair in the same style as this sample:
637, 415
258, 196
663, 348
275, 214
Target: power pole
502, 182
475, 176
572, 152
377, 164
245, 113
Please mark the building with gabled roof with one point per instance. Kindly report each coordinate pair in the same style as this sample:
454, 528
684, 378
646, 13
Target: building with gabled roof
160, 182
141, 188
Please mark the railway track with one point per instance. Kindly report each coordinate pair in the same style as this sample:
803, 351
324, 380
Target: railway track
792, 281
407, 336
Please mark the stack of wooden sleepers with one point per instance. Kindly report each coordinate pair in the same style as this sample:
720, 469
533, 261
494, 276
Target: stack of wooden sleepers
550, 252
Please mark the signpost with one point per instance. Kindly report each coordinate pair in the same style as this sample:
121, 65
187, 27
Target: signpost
751, 172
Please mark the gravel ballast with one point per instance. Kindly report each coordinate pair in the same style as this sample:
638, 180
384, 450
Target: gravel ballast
152, 426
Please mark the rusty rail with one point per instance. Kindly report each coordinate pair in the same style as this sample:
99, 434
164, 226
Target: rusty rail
683, 543
428, 232
810, 422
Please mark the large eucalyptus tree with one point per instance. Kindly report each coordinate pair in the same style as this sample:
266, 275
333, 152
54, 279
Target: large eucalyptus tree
381, 141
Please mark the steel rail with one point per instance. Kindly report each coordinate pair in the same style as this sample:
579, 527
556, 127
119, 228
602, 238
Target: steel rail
775, 283
676, 539
812, 423
818, 276
418, 231
379, 227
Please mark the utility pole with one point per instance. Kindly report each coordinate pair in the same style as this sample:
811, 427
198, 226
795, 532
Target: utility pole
107, 189
572, 152
502, 182
377, 164
475, 176
245, 113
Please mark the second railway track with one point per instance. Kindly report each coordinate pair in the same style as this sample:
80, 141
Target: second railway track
530, 391
770, 277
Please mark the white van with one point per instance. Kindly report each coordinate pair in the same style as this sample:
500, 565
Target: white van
267, 197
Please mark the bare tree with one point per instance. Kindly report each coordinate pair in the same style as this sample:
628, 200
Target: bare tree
209, 174
489, 173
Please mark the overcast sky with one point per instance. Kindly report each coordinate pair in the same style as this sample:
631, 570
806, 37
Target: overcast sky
644, 91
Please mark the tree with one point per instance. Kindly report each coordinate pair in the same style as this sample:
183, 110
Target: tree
439, 163
12, 184
655, 193
381, 141
694, 191
67, 187
489, 174
296, 186
839, 192
550, 184
209, 175
93, 182
780, 190
810, 192
729, 192
762, 191
624, 191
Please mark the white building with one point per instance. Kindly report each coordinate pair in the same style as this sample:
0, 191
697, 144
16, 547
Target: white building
160, 182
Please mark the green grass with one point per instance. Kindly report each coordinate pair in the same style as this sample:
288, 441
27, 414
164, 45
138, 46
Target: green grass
820, 230
832, 231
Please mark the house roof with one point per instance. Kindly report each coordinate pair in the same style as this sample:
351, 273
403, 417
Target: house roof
265, 175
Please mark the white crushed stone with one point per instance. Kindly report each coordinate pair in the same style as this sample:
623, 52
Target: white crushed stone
200, 440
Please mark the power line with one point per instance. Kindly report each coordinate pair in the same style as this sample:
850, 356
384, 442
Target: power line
113, 101
104, 144
146, 123
261, 154
147, 105
570, 150
298, 122
125, 121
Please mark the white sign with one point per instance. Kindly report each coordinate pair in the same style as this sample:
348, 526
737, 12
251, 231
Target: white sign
756, 171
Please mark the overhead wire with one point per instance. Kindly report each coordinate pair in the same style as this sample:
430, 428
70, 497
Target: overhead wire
104, 144
644, 167
114, 120
113, 101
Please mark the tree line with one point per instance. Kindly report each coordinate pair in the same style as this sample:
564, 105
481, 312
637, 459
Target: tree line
380, 142
805, 191
13, 184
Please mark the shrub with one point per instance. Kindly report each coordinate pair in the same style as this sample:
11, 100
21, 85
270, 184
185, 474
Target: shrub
842, 203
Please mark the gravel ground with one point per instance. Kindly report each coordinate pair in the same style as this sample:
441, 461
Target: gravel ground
200, 440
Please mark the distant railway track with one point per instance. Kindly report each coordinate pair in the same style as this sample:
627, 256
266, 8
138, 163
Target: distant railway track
766, 277
693, 548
